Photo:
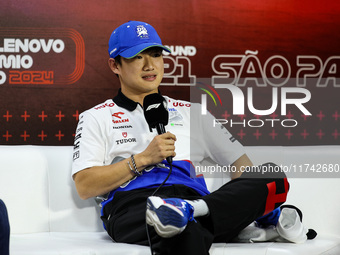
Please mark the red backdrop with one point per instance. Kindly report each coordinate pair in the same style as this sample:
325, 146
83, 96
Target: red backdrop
53, 62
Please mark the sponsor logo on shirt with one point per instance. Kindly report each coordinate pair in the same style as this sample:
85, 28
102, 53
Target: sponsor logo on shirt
126, 140
117, 115
175, 118
232, 139
180, 104
76, 155
122, 127
117, 118
104, 105
78, 136
76, 145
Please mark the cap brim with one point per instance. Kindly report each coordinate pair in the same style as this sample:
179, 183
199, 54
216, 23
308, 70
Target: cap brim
133, 51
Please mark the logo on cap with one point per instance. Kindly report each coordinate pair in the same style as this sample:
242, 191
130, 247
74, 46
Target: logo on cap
142, 32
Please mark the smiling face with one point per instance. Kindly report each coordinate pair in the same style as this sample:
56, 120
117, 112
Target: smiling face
140, 75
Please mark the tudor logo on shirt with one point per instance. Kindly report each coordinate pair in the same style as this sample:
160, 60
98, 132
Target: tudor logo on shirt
126, 140
117, 118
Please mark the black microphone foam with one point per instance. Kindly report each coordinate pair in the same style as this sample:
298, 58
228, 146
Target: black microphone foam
155, 110
156, 114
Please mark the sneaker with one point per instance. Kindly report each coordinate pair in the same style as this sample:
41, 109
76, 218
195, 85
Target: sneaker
168, 216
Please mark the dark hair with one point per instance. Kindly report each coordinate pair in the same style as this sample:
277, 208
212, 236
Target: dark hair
118, 60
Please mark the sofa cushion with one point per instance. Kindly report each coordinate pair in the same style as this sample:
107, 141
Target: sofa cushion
67, 211
98, 243
24, 188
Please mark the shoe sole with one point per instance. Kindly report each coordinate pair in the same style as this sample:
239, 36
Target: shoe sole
167, 219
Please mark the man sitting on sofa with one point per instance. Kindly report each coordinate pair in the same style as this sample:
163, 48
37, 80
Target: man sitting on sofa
115, 153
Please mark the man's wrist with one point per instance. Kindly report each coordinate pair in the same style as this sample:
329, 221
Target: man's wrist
136, 164
133, 167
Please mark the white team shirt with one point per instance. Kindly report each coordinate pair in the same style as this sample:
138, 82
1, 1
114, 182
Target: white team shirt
117, 128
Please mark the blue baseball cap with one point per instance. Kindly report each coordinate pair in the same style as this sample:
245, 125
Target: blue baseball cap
131, 38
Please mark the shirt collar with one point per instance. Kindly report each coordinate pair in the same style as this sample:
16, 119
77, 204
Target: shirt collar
122, 101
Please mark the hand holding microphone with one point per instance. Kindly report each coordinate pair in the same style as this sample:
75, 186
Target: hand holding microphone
157, 115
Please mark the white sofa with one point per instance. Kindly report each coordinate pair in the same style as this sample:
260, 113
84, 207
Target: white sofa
47, 216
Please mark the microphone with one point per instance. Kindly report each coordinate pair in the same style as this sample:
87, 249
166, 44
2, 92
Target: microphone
156, 114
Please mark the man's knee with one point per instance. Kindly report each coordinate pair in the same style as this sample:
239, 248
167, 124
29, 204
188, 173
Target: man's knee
271, 171
273, 179
264, 171
277, 186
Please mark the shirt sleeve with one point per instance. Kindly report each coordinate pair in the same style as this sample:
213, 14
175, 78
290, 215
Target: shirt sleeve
89, 143
217, 141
